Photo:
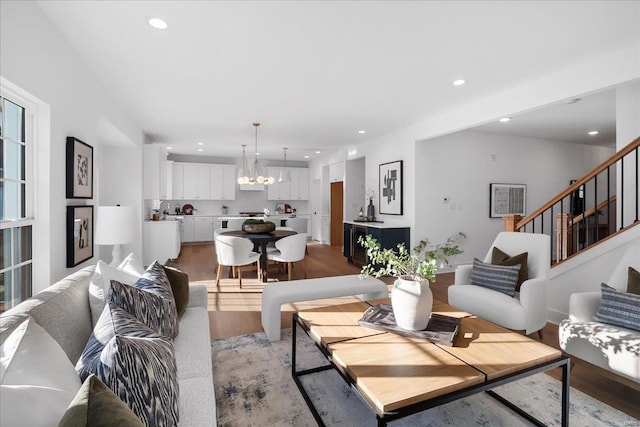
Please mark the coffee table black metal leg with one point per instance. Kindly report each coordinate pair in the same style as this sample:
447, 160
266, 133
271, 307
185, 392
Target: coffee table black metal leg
565, 393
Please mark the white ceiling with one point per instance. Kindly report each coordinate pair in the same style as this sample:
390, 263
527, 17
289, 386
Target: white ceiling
315, 72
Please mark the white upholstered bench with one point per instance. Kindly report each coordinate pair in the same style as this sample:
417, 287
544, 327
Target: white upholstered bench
276, 294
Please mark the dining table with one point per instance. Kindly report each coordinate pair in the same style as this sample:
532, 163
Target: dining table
260, 241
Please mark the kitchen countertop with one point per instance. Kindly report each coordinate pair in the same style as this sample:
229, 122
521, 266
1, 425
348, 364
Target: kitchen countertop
377, 224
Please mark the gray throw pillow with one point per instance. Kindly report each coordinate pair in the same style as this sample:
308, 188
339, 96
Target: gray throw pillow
498, 257
501, 278
619, 308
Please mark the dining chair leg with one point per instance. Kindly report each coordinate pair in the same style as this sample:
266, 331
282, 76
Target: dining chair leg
259, 270
218, 273
289, 269
239, 270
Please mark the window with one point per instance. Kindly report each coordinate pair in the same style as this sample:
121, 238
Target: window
16, 217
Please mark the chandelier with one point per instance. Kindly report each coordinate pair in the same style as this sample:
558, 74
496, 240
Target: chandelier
285, 174
256, 174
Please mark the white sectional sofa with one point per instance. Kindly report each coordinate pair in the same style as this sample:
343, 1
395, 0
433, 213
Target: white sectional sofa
63, 311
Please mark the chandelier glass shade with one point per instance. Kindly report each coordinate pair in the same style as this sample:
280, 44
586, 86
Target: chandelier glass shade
243, 178
285, 174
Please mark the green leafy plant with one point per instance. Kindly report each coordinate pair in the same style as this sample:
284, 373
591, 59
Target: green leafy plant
419, 264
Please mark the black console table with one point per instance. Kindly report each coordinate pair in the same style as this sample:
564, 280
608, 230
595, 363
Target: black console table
389, 238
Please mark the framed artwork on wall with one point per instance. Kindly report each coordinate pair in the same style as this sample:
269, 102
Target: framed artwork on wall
507, 199
79, 234
390, 190
79, 169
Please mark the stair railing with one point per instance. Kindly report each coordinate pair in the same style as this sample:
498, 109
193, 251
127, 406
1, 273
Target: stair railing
590, 209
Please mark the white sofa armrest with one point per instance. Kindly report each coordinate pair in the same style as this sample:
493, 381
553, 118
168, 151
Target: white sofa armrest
198, 296
583, 306
463, 274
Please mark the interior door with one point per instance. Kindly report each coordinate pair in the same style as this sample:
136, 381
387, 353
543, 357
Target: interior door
337, 194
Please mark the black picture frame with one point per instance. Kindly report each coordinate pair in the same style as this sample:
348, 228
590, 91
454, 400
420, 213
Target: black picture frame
80, 223
79, 169
507, 199
390, 188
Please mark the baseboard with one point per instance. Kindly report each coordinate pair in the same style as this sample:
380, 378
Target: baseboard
556, 316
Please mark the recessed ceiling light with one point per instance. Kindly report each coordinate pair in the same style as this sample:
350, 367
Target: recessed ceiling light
458, 82
158, 23
317, 152
306, 157
169, 148
594, 132
200, 149
362, 131
504, 119
201, 143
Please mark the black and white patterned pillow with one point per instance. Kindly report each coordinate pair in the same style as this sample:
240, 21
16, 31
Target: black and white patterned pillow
152, 301
619, 308
112, 321
501, 278
148, 308
155, 280
137, 364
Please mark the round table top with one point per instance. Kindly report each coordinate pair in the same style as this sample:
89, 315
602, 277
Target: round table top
260, 237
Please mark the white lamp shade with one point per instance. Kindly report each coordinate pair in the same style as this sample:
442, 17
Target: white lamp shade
116, 225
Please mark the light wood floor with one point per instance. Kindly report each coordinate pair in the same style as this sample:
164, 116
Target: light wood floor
233, 311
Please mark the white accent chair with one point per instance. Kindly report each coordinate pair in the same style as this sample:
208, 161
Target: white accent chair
290, 249
235, 252
527, 310
610, 347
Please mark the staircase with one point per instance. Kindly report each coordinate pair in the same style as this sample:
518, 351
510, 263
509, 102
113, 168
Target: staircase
593, 224
594, 208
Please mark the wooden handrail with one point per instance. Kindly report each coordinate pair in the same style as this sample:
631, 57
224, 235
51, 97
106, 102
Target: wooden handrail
573, 187
590, 212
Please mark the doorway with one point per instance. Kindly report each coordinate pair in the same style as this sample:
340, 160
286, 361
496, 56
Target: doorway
337, 194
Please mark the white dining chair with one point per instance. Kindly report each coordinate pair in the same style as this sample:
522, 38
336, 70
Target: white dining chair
235, 252
290, 249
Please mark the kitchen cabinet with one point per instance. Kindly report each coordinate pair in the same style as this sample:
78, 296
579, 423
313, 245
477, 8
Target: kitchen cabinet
188, 229
203, 229
161, 241
153, 177
297, 189
222, 182
196, 181
336, 172
388, 237
166, 180
178, 181
299, 185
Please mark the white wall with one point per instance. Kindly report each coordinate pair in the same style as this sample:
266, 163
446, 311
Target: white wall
36, 58
354, 190
460, 167
585, 272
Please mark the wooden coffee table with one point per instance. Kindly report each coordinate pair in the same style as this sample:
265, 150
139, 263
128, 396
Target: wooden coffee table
399, 376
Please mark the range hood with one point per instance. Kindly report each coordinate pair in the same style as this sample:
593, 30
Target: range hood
255, 187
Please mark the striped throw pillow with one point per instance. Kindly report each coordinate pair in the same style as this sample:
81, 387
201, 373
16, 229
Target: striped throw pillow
619, 308
501, 278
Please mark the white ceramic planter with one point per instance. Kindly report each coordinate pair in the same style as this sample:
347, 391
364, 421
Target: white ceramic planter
412, 302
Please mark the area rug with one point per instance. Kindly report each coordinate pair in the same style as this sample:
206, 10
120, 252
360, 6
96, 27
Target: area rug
253, 387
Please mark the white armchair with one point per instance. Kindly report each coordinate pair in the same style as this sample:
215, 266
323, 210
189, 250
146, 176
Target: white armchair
610, 347
527, 310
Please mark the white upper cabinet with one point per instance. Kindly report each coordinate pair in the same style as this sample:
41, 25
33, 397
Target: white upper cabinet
166, 179
336, 172
222, 182
297, 189
196, 181
178, 181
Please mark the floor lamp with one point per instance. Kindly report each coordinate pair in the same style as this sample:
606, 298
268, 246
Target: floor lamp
116, 225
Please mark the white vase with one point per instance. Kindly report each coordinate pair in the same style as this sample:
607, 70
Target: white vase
412, 302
